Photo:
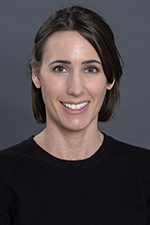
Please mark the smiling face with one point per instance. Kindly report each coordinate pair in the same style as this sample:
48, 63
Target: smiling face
72, 81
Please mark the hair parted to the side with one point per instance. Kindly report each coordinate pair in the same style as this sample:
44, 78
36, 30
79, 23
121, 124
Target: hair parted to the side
93, 27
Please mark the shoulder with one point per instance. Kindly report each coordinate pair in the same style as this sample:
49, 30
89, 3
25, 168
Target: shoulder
16, 156
127, 152
131, 164
122, 146
14, 161
20, 148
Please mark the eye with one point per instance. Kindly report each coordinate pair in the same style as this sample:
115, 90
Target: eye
60, 69
91, 69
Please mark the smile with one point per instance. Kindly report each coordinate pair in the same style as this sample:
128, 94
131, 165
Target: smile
75, 107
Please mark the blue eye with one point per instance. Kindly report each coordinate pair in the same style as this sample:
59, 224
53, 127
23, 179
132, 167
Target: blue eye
60, 69
91, 69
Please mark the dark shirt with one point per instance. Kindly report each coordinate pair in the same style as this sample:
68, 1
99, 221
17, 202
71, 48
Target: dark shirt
112, 187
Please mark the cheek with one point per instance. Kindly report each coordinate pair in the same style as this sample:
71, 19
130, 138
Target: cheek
51, 89
99, 91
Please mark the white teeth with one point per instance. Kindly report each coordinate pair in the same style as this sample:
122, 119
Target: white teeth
75, 107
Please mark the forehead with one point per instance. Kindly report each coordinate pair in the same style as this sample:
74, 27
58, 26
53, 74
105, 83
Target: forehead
68, 44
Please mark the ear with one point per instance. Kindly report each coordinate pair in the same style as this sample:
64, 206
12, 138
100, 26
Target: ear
110, 85
35, 75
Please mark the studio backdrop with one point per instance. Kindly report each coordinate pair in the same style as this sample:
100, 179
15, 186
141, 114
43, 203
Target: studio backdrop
130, 22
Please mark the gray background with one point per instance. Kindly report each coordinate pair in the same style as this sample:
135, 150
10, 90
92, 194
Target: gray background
130, 21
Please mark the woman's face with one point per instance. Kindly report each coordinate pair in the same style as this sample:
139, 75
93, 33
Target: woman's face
72, 81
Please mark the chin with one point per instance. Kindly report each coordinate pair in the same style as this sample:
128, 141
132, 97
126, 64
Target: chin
78, 125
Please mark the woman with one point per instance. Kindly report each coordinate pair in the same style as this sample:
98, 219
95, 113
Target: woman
71, 173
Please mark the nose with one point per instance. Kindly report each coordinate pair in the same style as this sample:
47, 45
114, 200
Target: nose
75, 86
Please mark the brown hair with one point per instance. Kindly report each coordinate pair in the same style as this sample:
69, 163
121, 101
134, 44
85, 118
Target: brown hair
93, 27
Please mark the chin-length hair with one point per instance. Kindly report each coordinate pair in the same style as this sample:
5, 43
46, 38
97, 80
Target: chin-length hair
93, 28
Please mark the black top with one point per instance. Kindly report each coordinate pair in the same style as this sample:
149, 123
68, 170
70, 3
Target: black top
112, 187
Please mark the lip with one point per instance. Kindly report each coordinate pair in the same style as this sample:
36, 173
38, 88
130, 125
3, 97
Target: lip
75, 112
75, 102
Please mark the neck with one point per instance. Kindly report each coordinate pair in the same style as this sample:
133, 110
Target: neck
72, 145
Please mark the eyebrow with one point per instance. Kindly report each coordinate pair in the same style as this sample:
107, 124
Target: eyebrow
91, 61
68, 62
61, 61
